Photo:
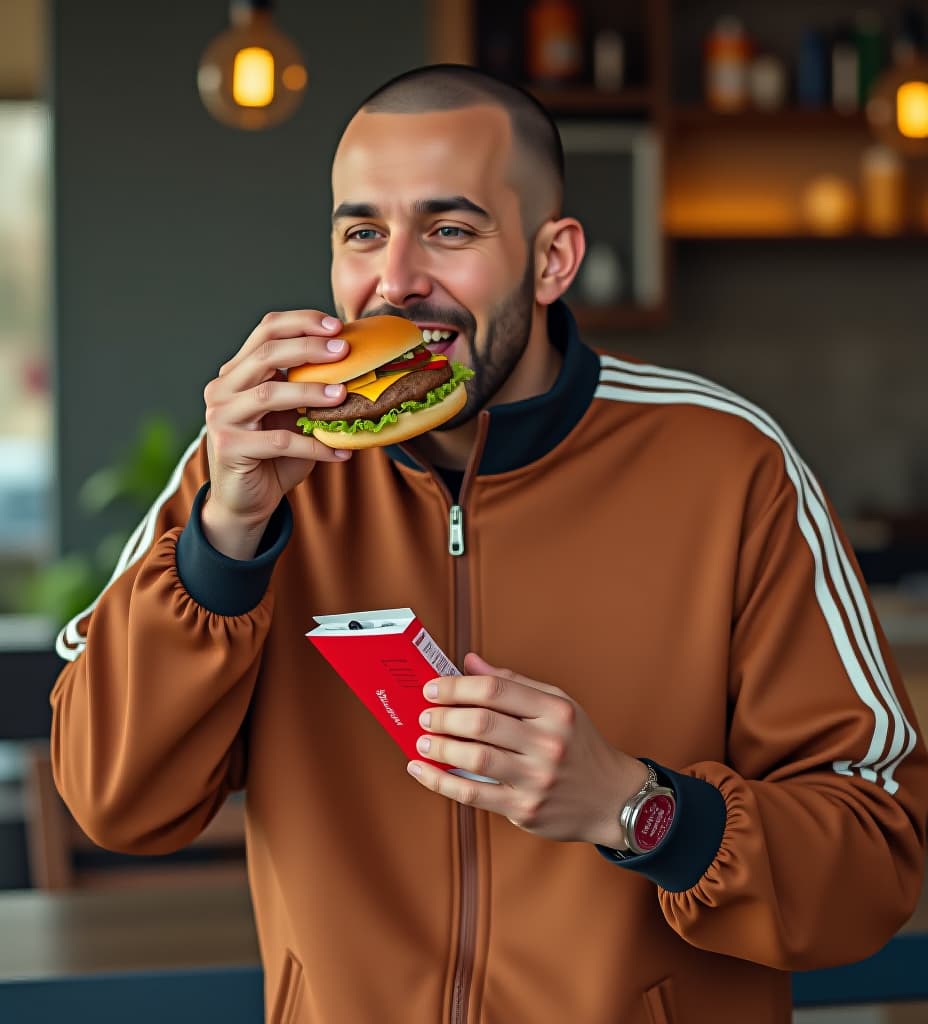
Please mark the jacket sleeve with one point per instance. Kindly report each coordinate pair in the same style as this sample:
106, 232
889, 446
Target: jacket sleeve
147, 716
806, 848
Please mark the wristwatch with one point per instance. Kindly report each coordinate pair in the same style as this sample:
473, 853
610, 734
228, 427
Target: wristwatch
646, 817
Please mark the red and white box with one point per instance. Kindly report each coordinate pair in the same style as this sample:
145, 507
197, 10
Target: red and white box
387, 657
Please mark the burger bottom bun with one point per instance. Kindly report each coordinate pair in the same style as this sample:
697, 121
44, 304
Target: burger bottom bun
409, 424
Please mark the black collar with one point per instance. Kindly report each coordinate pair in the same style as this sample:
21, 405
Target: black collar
522, 432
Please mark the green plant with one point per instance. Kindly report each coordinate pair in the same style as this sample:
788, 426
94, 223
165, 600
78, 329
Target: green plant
124, 491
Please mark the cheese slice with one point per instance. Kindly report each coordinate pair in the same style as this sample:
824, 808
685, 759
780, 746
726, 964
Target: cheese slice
372, 387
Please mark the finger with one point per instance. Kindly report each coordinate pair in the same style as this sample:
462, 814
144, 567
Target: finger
280, 396
476, 758
510, 696
480, 724
288, 324
232, 444
474, 664
486, 795
263, 363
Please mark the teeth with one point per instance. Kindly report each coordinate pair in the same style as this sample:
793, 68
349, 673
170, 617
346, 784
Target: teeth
428, 336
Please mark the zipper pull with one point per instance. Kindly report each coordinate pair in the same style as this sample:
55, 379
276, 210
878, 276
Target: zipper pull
456, 530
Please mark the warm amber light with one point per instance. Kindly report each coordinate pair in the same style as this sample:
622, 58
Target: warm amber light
294, 77
912, 110
253, 77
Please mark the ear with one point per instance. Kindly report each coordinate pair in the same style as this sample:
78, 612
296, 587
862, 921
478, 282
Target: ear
559, 248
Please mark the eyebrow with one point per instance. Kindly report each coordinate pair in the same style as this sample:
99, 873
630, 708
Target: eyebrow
443, 204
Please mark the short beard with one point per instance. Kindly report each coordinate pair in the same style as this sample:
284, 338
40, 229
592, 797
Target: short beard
507, 338
508, 331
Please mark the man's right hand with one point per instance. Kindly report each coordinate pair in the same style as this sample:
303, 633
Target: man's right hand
256, 451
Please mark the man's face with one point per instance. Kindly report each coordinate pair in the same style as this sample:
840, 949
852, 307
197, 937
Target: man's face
427, 225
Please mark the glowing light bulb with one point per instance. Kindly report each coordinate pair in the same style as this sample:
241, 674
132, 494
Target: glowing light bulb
251, 76
912, 110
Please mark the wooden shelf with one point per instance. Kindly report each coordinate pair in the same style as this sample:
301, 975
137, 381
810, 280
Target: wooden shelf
588, 99
796, 236
789, 119
625, 317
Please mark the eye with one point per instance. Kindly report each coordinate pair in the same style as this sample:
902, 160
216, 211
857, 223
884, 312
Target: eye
362, 235
453, 232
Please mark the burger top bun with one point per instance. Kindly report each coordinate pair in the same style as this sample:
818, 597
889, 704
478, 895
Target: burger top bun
374, 340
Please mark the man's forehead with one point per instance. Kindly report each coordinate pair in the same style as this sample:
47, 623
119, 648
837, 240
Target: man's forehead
476, 139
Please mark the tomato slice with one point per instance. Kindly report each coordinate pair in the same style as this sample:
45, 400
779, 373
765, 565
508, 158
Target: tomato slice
417, 362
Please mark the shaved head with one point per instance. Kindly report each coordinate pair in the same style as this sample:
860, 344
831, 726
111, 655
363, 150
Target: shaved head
537, 173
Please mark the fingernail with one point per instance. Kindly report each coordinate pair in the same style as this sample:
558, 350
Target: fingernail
423, 744
329, 323
335, 345
342, 453
431, 691
333, 390
414, 769
425, 719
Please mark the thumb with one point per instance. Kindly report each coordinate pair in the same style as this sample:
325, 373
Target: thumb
474, 664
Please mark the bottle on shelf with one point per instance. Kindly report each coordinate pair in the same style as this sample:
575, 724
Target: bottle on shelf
727, 58
554, 42
845, 71
812, 73
608, 60
871, 53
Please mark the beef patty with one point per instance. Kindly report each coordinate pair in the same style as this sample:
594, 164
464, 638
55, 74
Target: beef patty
411, 387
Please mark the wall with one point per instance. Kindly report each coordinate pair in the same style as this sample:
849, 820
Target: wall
173, 234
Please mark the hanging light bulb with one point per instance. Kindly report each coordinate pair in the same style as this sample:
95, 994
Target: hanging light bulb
898, 109
251, 76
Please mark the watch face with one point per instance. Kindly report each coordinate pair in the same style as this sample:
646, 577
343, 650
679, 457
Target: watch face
652, 821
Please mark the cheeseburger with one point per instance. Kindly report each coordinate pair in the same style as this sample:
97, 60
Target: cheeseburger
397, 388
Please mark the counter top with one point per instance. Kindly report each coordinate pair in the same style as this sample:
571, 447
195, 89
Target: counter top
61, 934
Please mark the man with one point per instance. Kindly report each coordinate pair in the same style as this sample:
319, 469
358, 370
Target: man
709, 771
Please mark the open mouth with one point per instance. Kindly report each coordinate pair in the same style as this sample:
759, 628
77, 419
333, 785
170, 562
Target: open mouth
439, 341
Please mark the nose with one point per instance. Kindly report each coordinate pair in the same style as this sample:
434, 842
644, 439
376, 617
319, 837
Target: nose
403, 275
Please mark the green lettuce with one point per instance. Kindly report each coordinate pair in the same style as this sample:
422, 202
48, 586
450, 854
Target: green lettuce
459, 374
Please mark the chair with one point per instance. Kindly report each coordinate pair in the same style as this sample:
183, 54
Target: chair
61, 856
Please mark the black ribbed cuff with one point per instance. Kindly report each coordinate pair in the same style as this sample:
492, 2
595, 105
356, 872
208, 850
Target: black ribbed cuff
693, 840
228, 586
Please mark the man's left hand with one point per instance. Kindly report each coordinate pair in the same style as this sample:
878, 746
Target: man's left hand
558, 777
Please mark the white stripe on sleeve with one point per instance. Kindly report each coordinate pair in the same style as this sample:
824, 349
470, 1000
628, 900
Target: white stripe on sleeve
71, 642
632, 382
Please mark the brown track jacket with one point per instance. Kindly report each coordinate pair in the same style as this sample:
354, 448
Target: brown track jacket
642, 538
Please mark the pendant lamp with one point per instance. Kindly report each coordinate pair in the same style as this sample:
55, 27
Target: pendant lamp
251, 75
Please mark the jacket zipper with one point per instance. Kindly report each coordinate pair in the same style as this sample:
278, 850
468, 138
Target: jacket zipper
467, 834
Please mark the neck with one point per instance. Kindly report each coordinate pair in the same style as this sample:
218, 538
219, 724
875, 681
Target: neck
534, 374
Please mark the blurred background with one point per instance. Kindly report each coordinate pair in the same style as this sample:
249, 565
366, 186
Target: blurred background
753, 178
